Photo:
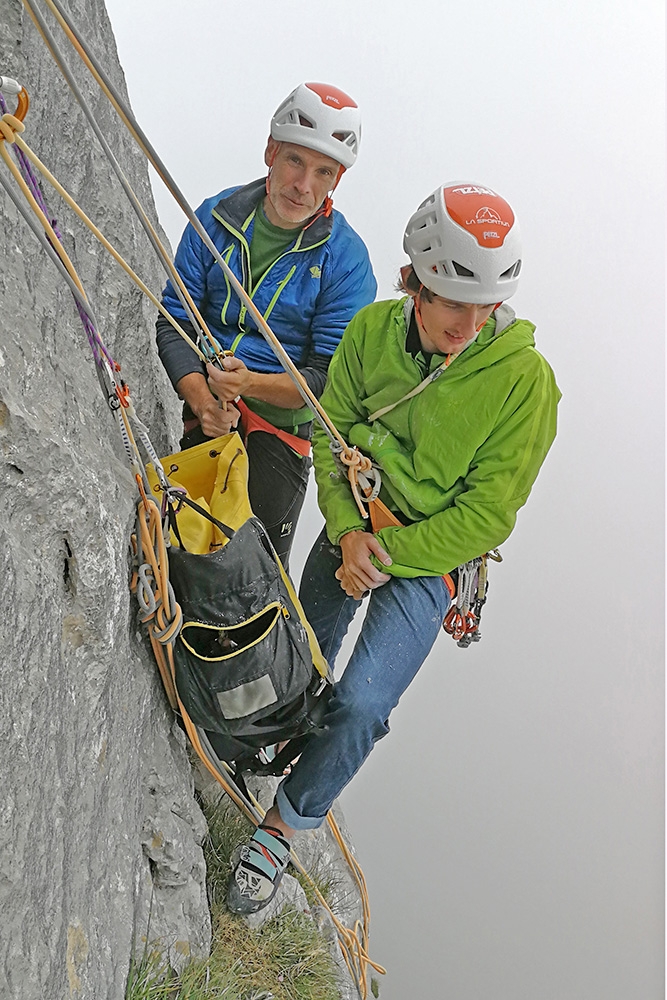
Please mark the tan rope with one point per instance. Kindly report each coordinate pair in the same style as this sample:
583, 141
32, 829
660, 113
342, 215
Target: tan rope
350, 456
158, 245
16, 173
312, 401
55, 183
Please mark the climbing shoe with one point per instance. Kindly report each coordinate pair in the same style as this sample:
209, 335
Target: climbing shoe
257, 873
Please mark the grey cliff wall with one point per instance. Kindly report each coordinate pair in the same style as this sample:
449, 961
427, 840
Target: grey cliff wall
100, 835
98, 824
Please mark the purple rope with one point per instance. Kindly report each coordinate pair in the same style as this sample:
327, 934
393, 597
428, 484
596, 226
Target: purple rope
31, 179
97, 345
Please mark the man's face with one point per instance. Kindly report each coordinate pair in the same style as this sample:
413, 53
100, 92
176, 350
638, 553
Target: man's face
300, 181
447, 327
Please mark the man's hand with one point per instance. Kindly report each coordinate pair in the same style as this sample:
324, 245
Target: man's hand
215, 421
358, 574
232, 382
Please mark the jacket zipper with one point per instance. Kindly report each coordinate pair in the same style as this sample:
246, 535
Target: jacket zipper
245, 271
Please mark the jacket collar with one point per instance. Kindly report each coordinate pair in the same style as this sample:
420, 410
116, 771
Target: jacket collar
236, 207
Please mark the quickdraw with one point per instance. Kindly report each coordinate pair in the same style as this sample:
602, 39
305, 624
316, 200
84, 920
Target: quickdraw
463, 618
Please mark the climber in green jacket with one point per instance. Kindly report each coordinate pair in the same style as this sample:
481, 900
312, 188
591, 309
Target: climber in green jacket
445, 391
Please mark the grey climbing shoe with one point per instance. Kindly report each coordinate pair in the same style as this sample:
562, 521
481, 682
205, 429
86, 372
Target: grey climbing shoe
257, 873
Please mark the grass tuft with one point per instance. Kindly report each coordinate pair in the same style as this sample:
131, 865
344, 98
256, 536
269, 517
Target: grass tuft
284, 960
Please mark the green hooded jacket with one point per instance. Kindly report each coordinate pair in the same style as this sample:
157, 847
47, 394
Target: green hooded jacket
459, 459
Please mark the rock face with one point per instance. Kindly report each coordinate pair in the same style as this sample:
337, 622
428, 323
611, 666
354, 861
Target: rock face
98, 822
100, 835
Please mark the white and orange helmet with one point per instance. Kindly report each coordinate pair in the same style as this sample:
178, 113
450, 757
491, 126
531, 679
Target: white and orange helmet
320, 117
464, 244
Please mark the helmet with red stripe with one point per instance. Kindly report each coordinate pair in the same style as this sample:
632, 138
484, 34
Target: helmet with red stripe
464, 244
320, 117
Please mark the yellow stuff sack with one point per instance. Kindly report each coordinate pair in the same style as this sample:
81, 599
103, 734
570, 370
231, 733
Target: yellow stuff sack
214, 475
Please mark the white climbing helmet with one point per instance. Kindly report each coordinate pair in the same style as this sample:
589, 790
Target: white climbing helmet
322, 118
464, 244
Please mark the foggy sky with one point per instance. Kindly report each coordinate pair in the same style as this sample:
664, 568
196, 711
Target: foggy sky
510, 827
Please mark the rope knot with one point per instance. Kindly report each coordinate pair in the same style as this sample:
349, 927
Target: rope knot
363, 476
355, 460
9, 126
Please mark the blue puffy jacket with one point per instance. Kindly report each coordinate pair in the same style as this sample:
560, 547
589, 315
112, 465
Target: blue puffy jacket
308, 295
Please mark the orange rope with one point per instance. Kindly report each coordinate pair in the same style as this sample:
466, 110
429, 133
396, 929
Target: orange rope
163, 632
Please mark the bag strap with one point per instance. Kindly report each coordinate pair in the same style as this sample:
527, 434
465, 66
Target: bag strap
224, 528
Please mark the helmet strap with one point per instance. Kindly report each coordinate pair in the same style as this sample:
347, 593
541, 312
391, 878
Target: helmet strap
418, 311
326, 208
327, 204
268, 176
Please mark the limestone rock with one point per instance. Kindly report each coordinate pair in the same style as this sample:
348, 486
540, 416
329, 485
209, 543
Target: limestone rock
92, 774
100, 834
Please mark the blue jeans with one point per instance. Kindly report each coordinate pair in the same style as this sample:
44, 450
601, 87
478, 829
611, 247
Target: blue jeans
403, 620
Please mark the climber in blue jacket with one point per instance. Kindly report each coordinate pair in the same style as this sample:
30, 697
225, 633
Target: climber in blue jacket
307, 271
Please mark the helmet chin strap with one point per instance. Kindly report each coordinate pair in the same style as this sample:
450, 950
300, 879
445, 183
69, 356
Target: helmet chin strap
326, 208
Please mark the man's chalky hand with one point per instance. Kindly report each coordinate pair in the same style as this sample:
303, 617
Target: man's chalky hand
358, 574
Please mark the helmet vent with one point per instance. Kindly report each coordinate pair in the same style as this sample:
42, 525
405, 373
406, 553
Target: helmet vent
511, 272
306, 122
463, 272
348, 139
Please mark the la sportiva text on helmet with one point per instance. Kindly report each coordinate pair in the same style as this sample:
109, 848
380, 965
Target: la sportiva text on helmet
464, 244
320, 117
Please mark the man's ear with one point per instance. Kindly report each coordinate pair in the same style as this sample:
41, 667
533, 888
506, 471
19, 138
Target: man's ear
272, 147
405, 274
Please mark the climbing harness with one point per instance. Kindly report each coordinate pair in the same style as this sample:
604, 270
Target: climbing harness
160, 609
253, 422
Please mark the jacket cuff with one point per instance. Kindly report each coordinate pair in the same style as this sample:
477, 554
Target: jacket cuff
334, 533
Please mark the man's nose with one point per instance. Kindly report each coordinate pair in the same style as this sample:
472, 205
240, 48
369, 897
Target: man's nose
304, 182
466, 322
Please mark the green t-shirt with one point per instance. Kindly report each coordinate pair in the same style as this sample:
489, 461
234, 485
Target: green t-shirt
268, 243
